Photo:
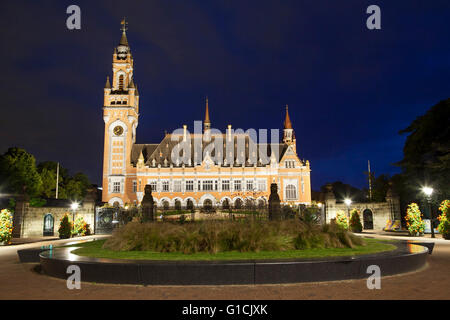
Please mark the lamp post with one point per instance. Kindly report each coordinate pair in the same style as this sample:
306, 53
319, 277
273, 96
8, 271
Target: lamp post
348, 202
428, 192
74, 207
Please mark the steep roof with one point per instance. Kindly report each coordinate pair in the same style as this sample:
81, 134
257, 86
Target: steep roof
160, 154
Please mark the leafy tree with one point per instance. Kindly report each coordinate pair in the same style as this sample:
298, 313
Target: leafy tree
18, 172
426, 154
355, 221
380, 187
342, 191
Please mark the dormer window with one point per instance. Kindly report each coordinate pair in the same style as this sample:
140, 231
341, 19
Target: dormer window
289, 164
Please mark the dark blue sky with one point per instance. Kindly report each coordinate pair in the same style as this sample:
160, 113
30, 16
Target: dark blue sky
349, 89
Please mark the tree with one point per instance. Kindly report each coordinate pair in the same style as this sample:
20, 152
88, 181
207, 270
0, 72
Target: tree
18, 172
426, 154
342, 191
380, 188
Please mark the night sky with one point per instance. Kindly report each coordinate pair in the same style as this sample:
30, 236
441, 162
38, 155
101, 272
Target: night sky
349, 89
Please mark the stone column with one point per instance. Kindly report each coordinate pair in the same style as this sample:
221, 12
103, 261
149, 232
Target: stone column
20, 212
274, 203
88, 209
147, 205
330, 203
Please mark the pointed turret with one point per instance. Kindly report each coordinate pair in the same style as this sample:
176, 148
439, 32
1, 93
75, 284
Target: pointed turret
288, 132
131, 84
107, 84
287, 120
207, 122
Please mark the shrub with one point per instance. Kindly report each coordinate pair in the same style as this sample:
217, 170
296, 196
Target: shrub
6, 226
220, 236
414, 222
37, 202
444, 219
355, 221
65, 227
342, 220
81, 227
310, 215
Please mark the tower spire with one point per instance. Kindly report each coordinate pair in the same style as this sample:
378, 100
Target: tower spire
207, 122
287, 120
124, 28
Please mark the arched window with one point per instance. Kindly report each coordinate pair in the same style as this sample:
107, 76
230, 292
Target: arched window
189, 204
48, 224
177, 205
291, 192
238, 204
166, 205
121, 82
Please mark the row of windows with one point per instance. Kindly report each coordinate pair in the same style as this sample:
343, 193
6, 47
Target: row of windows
210, 185
118, 102
289, 163
206, 185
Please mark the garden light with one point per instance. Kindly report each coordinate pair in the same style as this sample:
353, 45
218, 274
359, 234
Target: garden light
427, 190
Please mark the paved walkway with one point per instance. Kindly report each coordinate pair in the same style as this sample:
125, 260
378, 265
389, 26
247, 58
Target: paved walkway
19, 281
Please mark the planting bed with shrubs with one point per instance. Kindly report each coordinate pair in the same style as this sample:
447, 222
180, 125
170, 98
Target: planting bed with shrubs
230, 240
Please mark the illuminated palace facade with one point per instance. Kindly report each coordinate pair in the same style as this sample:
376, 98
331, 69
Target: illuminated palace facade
240, 172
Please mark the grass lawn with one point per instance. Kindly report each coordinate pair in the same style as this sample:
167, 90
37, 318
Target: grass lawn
94, 249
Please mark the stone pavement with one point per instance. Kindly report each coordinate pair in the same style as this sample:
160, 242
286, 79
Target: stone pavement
19, 281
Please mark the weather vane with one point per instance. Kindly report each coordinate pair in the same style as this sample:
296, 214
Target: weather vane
124, 24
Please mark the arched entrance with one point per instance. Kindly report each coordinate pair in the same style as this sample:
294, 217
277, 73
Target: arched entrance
49, 223
368, 219
189, 204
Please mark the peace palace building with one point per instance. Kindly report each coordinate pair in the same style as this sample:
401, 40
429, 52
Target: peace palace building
183, 170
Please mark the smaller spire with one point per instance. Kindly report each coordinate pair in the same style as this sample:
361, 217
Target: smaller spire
107, 84
207, 123
123, 39
287, 121
131, 84
136, 93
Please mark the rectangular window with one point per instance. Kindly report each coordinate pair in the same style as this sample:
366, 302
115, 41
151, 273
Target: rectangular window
134, 186
207, 185
262, 185
177, 186
153, 184
165, 186
116, 187
189, 185
237, 185
249, 185
225, 185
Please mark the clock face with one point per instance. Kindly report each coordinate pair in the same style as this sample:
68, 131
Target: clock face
118, 130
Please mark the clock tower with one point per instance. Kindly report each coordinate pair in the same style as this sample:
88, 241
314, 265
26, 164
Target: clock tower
120, 114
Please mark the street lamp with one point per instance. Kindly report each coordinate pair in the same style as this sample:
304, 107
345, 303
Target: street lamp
428, 192
74, 207
348, 202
